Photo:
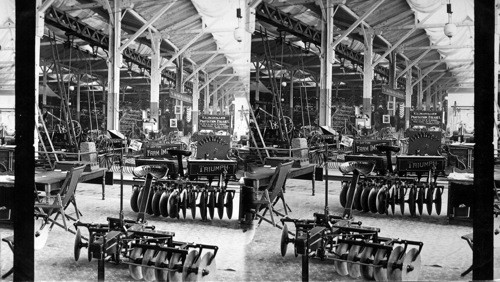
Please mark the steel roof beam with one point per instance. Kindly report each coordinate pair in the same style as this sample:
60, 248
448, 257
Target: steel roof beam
403, 39
222, 85
356, 23
434, 81
145, 26
177, 54
195, 71
213, 77
427, 72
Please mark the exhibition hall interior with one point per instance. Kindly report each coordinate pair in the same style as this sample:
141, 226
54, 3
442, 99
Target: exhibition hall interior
249, 140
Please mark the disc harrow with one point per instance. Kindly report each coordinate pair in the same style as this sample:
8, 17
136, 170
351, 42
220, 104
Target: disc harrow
383, 194
356, 250
151, 254
174, 197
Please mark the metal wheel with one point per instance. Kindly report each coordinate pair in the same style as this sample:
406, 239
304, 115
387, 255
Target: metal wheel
133, 199
354, 268
380, 273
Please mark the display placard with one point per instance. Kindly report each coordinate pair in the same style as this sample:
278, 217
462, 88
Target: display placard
214, 122
160, 150
420, 163
426, 118
369, 146
212, 146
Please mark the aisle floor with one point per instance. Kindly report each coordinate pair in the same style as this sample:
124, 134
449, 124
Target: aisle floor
255, 254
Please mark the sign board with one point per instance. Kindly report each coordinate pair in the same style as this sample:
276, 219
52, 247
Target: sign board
369, 146
173, 123
160, 150
420, 163
214, 122
426, 118
386, 89
180, 96
211, 167
212, 146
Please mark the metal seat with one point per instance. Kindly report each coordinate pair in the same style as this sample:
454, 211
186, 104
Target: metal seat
272, 194
362, 167
157, 171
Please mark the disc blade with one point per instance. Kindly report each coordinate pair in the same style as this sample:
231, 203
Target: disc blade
429, 199
188, 263
341, 266
229, 205
135, 270
78, 242
164, 203
211, 204
192, 203
393, 272
149, 207
411, 266
343, 193
203, 205
420, 200
207, 266
364, 199
366, 257
354, 268
173, 204
411, 201
284, 240
380, 273
380, 201
148, 273
438, 200
174, 274
183, 202
401, 194
393, 198
357, 198
156, 203
161, 262
133, 199
372, 200
220, 203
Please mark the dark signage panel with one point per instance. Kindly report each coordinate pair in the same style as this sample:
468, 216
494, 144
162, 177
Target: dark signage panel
426, 118
211, 167
159, 150
368, 146
214, 122
420, 163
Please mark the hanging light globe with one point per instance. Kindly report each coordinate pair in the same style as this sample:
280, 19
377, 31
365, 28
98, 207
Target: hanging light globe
450, 29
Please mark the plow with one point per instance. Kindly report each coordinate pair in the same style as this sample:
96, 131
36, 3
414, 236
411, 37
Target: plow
174, 197
356, 250
150, 254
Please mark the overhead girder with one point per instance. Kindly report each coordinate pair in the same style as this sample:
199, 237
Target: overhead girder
94, 37
282, 21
